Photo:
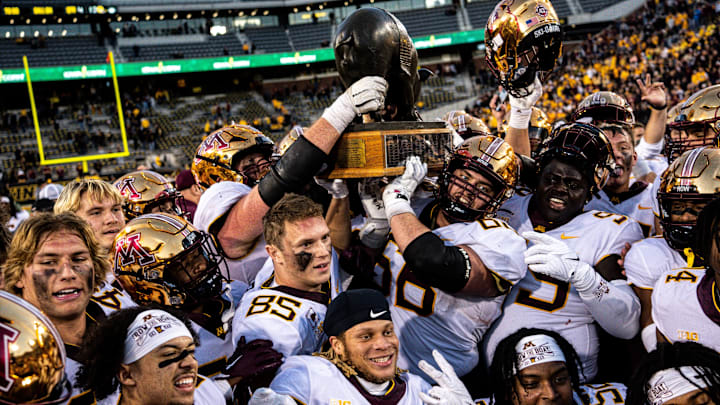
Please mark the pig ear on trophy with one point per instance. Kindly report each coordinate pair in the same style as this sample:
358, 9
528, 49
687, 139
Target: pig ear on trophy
425, 74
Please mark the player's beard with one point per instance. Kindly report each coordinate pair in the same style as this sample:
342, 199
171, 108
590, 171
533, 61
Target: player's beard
362, 373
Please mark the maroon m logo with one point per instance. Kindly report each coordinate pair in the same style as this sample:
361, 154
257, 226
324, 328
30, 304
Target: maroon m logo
127, 189
214, 141
7, 336
129, 251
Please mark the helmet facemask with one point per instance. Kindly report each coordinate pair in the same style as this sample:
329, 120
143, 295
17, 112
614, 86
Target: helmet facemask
682, 136
679, 235
195, 272
459, 211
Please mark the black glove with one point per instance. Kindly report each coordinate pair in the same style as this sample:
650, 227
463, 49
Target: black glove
253, 360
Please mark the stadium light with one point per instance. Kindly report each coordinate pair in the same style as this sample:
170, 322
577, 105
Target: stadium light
22, 34
162, 17
64, 32
218, 30
59, 20
7, 34
266, 12
215, 14
175, 16
50, 33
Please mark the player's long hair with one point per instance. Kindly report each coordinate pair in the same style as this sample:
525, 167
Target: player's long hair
674, 356
102, 351
504, 364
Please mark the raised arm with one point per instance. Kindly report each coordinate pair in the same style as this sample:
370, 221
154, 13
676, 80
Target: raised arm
299, 164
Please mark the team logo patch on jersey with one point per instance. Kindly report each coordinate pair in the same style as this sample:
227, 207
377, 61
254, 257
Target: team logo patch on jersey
129, 251
127, 189
541, 10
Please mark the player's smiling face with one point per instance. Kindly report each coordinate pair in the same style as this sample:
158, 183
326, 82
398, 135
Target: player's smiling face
543, 384
59, 279
561, 192
303, 258
625, 158
174, 384
471, 189
371, 348
105, 218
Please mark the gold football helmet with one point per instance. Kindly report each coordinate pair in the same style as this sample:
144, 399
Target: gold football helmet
539, 129
144, 190
218, 155
489, 156
466, 125
32, 364
163, 259
287, 141
584, 144
522, 38
605, 107
690, 182
696, 124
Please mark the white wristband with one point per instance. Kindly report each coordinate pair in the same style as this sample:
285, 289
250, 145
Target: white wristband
520, 118
341, 113
649, 337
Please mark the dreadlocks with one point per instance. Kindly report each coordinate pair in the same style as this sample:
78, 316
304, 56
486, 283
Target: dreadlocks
505, 362
675, 356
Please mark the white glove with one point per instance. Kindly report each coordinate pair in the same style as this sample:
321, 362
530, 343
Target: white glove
553, 258
365, 95
266, 396
450, 390
336, 188
521, 107
397, 194
376, 229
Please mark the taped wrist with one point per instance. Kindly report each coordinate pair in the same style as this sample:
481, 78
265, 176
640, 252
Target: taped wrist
520, 118
296, 168
649, 337
445, 267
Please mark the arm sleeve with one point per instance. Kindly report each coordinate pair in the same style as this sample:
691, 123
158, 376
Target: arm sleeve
637, 268
646, 150
293, 380
616, 308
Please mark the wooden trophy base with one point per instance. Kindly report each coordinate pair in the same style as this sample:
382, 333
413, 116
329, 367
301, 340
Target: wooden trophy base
380, 149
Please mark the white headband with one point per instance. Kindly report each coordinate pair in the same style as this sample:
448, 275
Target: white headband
670, 383
537, 349
149, 330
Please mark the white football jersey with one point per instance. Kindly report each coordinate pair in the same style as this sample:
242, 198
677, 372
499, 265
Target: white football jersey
653, 155
313, 380
428, 318
590, 394
111, 296
638, 207
648, 259
684, 308
544, 302
216, 345
206, 393
217, 201
292, 319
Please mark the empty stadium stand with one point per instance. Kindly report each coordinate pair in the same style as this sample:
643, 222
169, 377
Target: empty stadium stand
57, 51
